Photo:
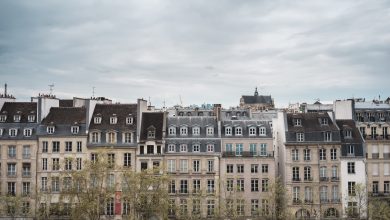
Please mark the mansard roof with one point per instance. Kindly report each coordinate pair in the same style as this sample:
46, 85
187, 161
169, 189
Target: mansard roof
19, 108
349, 125
65, 116
121, 111
191, 121
310, 122
66, 103
152, 119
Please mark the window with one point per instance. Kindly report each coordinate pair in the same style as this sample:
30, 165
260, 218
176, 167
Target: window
264, 168
27, 132
239, 149
262, 131
126, 207
1, 131
3, 118
196, 131
79, 163
210, 166
183, 186
295, 171
295, 154
16, 118
351, 188
333, 154
386, 187
113, 120
297, 122
183, 131
308, 194
254, 168
229, 185
386, 169
210, 147
323, 172
183, 147
196, 165
111, 137
196, 186
328, 136
229, 147
11, 151
97, 120
13, 132
183, 207
110, 206
26, 168
252, 149
55, 163
324, 193
43, 184
240, 168
95, 137
94, 157
171, 166
351, 150
210, 131
50, 129
196, 207
240, 185
264, 207
127, 137
296, 196
307, 173
150, 149
306, 154
171, 207
375, 187
254, 207
238, 131
300, 137
45, 146
348, 134
31, 118
68, 146
252, 131
229, 168
334, 172
151, 133
196, 148
68, 164
172, 186
240, 207
351, 167
56, 146
79, 146
129, 120
127, 159
171, 131
375, 169
254, 185
264, 185
55, 184
263, 149
111, 160
228, 131
144, 166
74, 129
171, 148
324, 121
44, 163
210, 207
12, 188
322, 154
184, 166
11, 169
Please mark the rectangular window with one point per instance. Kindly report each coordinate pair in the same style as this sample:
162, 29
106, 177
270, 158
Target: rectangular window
196, 166
386, 187
68, 164
26, 188
328, 136
351, 188
68, 146
254, 168
254, 207
240, 207
196, 186
210, 186
252, 149
210, 207
306, 154
55, 184
11, 169
171, 166
210, 148
43, 184
79, 163
264, 168
55, 163
263, 149
11, 151
333, 154
264, 185
322, 154
240, 185
26, 168
56, 146
351, 167
111, 160
196, 148
229, 147
44, 163
127, 159
229, 185
300, 137
79, 146
210, 166
150, 149
228, 131
184, 166
183, 186
254, 185
172, 186
240, 168
295, 154
239, 149
26, 152
351, 150
12, 188
229, 168
295, 173
45, 146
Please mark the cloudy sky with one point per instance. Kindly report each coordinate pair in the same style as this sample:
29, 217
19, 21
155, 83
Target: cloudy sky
202, 51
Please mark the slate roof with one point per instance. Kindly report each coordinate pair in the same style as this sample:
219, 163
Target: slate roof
66, 103
350, 125
192, 121
310, 122
23, 108
65, 116
245, 124
155, 119
120, 110
257, 99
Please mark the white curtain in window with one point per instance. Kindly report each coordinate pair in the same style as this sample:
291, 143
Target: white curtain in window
386, 168
375, 169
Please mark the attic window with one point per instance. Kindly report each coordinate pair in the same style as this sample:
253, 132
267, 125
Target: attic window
16, 118
113, 120
252, 131
129, 120
262, 131
74, 129
27, 132
324, 121
31, 118
348, 133
50, 129
171, 130
3, 118
97, 120
13, 132
210, 131
151, 133
297, 122
228, 131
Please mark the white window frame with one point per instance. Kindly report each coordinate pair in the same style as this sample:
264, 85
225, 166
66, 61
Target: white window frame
113, 120
300, 137
183, 148
31, 118
17, 118
210, 131
97, 120
297, 122
196, 131
324, 121
171, 148
263, 131
196, 148
50, 129
129, 120
252, 131
238, 131
27, 132
172, 130
210, 147
3, 118
13, 132
183, 131
228, 131
75, 129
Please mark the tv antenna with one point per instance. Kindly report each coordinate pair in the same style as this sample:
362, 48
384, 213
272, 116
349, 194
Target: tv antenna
93, 91
51, 88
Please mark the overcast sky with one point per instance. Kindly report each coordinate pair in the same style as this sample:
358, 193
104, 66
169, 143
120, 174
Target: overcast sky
202, 51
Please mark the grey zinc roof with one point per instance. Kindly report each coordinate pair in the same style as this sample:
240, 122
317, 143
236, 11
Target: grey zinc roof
61, 130
65, 115
256, 99
191, 141
372, 105
20, 127
245, 124
192, 121
310, 122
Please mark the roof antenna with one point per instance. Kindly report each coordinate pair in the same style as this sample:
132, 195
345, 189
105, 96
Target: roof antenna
150, 104
51, 88
93, 91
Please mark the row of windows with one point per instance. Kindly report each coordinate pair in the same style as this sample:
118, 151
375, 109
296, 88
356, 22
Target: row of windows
73, 129
111, 158
307, 154
25, 188
56, 146
183, 166
238, 131
12, 151
17, 118
195, 130
113, 120
184, 148
183, 187
13, 132
374, 132
300, 137
240, 185
111, 137
375, 187
298, 121
12, 169
196, 204
239, 149
307, 173
308, 194
240, 168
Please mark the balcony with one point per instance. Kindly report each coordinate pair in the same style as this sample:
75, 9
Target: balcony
247, 154
26, 156
296, 179
324, 200
11, 155
335, 179
26, 174
379, 194
324, 179
336, 200
308, 201
308, 179
375, 155
183, 191
296, 201
11, 174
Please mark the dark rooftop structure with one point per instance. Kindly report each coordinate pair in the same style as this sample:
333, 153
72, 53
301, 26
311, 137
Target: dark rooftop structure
65, 115
350, 136
259, 102
152, 120
120, 111
24, 109
66, 102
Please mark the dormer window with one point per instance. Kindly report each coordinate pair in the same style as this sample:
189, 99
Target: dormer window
16, 118
1, 131
348, 133
31, 118
13, 132
183, 131
74, 129
151, 133
129, 120
324, 121
300, 137
113, 120
27, 132
238, 131
196, 130
228, 131
210, 131
183, 148
328, 136
263, 131
97, 120
50, 129
252, 131
3, 118
297, 122
171, 130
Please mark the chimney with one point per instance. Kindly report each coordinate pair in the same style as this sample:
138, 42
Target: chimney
5, 90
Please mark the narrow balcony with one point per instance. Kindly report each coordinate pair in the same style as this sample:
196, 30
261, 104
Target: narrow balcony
324, 179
